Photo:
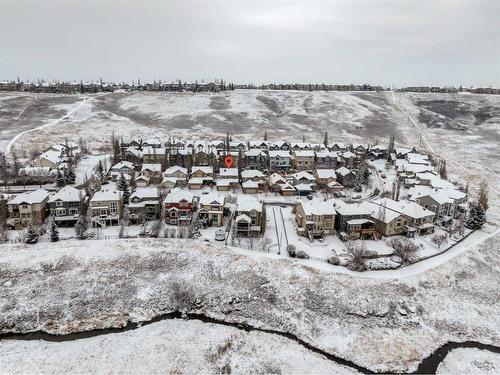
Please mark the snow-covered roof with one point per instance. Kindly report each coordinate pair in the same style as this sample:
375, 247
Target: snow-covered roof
177, 195
279, 154
67, 194
212, 198
402, 150
228, 172
326, 173
414, 158
154, 151
145, 193
52, 156
381, 213
304, 175
106, 195
338, 144
348, 155
435, 181
345, 209
276, 178
251, 173
304, 154
255, 152
155, 168
246, 204
317, 207
196, 180
37, 171
175, 168
243, 217
257, 143
31, 197
122, 164
326, 153
226, 181
303, 187
405, 207
250, 184
343, 171
202, 168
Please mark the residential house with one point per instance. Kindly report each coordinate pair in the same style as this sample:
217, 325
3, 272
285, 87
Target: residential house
51, 159
65, 205
279, 146
142, 181
153, 155
151, 171
279, 160
419, 219
252, 174
144, 204
350, 159
346, 177
353, 220
261, 145
178, 173
315, 218
27, 208
255, 159
304, 160
179, 206
325, 176
250, 187
326, 159
250, 218
387, 221
211, 209
303, 189
133, 155
303, 177
337, 146
125, 167
106, 207
206, 173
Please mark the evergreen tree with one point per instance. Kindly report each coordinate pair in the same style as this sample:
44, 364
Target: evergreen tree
325, 141
54, 231
265, 136
32, 235
123, 187
442, 170
228, 144
476, 216
390, 149
100, 171
60, 181
81, 227
240, 165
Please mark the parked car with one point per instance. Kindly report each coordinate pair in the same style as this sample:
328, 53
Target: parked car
383, 175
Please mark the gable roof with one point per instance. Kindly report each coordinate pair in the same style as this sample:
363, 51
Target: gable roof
67, 194
177, 195
247, 204
211, 198
31, 197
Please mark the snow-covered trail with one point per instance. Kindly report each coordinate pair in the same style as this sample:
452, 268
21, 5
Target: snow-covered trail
429, 147
14, 140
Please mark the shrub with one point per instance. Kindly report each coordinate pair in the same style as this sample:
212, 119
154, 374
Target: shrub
335, 260
301, 254
292, 250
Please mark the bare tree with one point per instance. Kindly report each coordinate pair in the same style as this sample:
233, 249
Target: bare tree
356, 251
404, 248
265, 243
439, 239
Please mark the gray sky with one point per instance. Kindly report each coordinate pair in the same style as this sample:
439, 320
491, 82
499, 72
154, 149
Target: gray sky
354, 41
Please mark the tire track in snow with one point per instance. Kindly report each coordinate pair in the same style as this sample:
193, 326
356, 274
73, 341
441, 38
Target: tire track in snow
14, 140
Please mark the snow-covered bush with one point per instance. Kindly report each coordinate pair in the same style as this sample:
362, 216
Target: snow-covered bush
404, 248
356, 251
335, 260
292, 250
31, 235
301, 254
439, 239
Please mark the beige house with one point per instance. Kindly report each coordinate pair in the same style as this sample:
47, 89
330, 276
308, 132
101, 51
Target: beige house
250, 187
106, 207
249, 217
27, 208
212, 209
304, 160
315, 218
325, 176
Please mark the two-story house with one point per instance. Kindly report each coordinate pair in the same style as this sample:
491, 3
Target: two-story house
65, 205
144, 204
179, 206
304, 160
315, 218
279, 160
27, 208
106, 207
353, 220
211, 209
250, 219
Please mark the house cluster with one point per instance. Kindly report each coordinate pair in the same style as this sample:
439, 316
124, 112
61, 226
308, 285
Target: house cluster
425, 200
289, 167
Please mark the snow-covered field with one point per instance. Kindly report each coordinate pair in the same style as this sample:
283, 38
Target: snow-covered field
167, 347
470, 361
383, 324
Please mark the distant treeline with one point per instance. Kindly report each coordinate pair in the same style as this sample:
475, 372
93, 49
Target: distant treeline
215, 86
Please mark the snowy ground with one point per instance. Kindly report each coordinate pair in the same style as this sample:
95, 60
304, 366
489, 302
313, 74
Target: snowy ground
172, 346
97, 284
470, 361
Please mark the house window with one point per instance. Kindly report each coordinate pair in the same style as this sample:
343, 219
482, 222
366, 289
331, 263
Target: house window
59, 203
113, 207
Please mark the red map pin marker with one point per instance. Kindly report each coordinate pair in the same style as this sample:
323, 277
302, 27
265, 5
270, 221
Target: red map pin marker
228, 160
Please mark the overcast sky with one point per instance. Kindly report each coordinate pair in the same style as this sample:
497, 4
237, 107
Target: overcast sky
354, 41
